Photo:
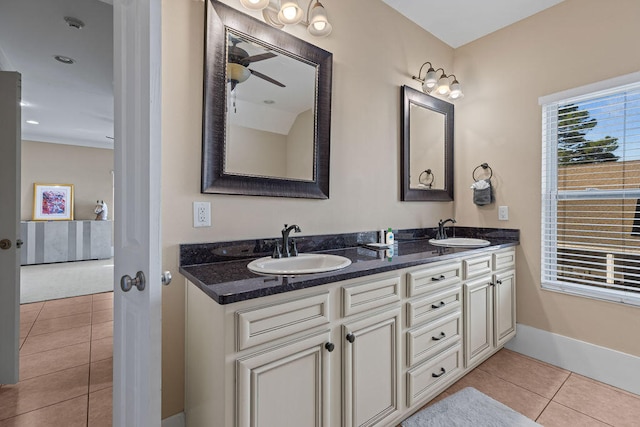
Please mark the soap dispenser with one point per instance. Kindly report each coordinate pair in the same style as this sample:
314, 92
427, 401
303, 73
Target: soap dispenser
389, 239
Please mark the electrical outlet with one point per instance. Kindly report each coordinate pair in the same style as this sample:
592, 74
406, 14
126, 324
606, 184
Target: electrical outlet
201, 214
503, 213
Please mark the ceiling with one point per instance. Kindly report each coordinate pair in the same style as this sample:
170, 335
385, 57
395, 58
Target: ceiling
74, 103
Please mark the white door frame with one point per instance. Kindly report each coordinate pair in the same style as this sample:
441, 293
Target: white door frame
137, 157
10, 163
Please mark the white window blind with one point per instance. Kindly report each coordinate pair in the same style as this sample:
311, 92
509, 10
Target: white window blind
591, 194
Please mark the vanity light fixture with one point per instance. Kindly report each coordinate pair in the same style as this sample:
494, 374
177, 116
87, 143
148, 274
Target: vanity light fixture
440, 85
288, 12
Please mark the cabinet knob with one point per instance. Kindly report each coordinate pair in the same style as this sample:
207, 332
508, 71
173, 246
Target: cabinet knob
499, 282
439, 337
329, 346
442, 304
442, 372
350, 337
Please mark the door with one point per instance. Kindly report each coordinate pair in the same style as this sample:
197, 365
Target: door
137, 314
478, 321
371, 368
286, 386
10, 144
504, 307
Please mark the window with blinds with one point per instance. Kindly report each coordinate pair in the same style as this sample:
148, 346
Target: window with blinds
591, 194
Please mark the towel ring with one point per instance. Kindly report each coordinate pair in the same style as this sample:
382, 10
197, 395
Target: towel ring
429, 174
484, 166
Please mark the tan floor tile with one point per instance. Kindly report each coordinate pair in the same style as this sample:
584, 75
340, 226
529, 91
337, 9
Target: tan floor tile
70, 413
44, 342
64, 310
29, 316
556, 415
101, 349
600, 401
101, 408
34, 306
101, 330
101, 375
535, 376
517, 398
46, 362
25, 328
103, 296
65, 302
45, 390
102, 316
46, 326
103, 304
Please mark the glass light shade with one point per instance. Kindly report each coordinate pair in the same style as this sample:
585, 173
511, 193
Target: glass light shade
290, 13
237, 73
443, 85
430, 80
319, 25
254, 4
456, 90
271, 18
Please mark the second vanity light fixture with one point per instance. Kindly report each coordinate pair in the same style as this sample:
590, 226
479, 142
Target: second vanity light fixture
440, 85
289, 12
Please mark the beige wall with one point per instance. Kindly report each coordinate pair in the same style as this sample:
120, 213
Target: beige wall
300, 147
499, 121
88, 169
375, 51
256, 152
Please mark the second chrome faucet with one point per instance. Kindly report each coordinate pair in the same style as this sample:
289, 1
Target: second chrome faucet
289, 248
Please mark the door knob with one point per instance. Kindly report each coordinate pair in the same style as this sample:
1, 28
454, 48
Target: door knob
126, 282
5, 244
166, 277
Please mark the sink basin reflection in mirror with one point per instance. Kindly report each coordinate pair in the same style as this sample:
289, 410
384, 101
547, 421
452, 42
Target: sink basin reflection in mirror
301, 264
460, 242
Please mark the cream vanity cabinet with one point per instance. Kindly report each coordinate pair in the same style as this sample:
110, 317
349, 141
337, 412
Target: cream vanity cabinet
363, 352
490, 304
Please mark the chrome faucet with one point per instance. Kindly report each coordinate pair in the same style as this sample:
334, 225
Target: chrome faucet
286, 252
442, 233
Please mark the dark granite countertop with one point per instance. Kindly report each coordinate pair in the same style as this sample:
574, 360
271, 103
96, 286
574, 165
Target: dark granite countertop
220, 269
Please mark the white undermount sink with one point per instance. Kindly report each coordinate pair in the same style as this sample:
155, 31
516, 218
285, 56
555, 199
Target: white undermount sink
460, 242
301, 264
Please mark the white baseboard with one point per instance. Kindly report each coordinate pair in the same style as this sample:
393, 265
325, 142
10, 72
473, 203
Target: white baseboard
176, 420
600, 363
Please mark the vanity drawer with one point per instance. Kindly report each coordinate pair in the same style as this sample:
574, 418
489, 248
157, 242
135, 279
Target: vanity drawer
424, 379
270, 322
475, 267
434, 278
434, 305
504, 259
433, 337
364, 296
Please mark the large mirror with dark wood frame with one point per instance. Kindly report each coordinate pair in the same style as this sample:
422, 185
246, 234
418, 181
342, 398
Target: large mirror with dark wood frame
427, 147
267, 109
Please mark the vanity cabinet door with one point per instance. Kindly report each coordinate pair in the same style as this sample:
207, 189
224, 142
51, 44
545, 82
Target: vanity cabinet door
504, 295
371, 369
478, 307
285, 386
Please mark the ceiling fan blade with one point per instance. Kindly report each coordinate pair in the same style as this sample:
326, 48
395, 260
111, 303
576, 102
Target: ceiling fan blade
261, 57
267, 78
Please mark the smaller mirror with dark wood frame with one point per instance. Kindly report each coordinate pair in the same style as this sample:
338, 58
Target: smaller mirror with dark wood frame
427, 147
267, 109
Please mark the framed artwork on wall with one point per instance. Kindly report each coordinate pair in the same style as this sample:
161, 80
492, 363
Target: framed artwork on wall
52, 202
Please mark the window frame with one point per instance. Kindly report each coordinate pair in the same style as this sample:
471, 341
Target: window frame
551, 195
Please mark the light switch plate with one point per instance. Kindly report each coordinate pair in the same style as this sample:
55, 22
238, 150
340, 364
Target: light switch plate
201, 214
503, 213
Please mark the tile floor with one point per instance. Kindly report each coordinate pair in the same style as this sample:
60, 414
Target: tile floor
66, 364
551, 396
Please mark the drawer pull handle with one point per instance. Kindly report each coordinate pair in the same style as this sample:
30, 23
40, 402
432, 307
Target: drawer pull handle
438, 338
350, 337
329, 346
437, 279
442, 304
442, 372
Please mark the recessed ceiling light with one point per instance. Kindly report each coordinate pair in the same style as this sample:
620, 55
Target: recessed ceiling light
64, 59
24, 104
33, 122
74, 22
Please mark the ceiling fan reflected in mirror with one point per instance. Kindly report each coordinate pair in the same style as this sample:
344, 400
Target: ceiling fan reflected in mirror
238, 62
